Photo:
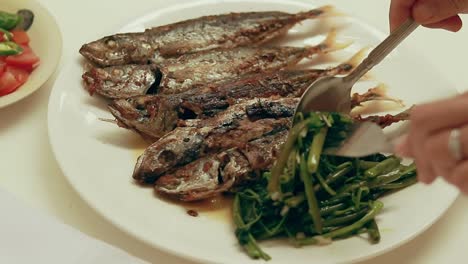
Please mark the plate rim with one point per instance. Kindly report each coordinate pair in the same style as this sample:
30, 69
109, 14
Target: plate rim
161, 246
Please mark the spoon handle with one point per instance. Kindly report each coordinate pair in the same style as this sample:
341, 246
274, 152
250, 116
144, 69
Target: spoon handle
382, 50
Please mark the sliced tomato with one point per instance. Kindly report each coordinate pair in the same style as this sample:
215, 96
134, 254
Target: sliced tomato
21, 75
12, 79
20, 37
27, 60
8, 83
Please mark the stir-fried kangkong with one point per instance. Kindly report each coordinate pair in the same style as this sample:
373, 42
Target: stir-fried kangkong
313, 198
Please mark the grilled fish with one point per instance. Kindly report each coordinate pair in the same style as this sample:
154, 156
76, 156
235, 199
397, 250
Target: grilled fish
205, 33
216, 66
232, 128
197, 70
219, 172
154, 116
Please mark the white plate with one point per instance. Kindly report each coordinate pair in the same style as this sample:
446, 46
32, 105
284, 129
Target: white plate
46, 42
98, 158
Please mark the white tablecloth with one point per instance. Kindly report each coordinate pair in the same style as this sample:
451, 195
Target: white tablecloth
30, 172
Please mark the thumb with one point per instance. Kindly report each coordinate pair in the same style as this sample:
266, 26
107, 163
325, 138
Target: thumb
432, 11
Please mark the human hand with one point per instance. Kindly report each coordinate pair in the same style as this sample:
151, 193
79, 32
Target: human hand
430, 13
432, 125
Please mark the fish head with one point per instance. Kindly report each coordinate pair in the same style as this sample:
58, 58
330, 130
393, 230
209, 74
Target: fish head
150, 116
176, 148
204, 178
118, 50
123, 81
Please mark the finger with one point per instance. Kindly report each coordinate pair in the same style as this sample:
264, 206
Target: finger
459, 176
437, 148
402, 148
463, 187
426, 173
400, 10
448, 113
432, 11
453, 24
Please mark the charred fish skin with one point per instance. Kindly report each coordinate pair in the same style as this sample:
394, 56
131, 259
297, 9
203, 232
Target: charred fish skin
209, 100
194, 35
120, 82
231, 128
217, 173
196, 70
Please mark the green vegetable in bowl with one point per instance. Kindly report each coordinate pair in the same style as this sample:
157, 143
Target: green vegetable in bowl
7, 35
312, 198
8, 48
8, 21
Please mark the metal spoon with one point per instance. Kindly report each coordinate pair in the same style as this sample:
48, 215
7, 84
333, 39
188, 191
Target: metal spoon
333, 94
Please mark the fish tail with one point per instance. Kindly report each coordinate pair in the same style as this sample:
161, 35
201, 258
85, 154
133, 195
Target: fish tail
321, 12
330, 44
351, 64
380, 93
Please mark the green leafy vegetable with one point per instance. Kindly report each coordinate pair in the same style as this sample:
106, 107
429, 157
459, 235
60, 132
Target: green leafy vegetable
312, 198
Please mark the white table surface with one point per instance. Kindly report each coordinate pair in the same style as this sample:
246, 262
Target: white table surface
29, 170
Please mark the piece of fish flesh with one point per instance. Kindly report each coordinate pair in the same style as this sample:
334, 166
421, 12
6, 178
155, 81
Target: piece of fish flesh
197, 70
232, 128
154, 116
205, 33
219, 172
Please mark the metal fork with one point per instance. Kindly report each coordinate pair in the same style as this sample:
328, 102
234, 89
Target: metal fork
333, 94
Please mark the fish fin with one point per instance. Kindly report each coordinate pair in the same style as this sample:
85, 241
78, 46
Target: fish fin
330, 44
352, 63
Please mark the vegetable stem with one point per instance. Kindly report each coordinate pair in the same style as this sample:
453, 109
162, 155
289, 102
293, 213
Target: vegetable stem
375, 209
278, 168
383, 167
314, 210
316, 150
373, 232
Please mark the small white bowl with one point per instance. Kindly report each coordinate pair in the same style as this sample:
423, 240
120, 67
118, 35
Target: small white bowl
46, 42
